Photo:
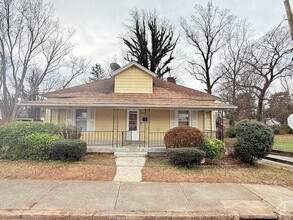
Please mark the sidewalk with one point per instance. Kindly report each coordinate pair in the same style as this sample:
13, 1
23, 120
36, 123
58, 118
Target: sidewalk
38, 199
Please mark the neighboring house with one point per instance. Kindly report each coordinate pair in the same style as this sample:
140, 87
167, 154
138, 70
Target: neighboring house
131, 107
273, 123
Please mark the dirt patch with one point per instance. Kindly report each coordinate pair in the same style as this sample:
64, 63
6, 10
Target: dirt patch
99, 167
227, 170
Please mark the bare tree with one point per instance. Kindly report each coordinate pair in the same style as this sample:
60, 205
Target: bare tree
77, 66
150, 41
233, 65
206, 33
270, 59
30, 38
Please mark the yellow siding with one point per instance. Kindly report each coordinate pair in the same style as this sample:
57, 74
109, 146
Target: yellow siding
133, 80
208, 121
54, 116
122, 120
104, 120
159, 120
62, 115
200, 120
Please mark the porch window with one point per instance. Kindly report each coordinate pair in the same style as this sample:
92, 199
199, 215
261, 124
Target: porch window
183, 118
81, 119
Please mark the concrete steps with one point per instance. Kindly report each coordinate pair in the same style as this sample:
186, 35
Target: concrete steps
280, 159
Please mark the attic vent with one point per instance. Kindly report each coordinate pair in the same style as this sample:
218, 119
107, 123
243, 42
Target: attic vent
171, 79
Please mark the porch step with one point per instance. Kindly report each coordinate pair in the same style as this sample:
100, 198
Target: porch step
130, 154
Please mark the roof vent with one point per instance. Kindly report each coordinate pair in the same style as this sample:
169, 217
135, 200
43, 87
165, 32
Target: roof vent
114, 66
171, 79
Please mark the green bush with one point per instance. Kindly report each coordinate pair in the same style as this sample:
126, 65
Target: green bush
12, 136
230, 132
186, 157
184, 136
70, 132
213, 148
254, 140
67, 150
38, 144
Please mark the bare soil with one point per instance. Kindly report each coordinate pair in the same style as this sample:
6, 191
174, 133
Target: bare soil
98, 167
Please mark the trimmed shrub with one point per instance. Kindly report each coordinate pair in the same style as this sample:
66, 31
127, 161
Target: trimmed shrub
213, 148
67, 150
230, 132
70, 132
254, 140
186, 157
12, 135
38, 145
184, 136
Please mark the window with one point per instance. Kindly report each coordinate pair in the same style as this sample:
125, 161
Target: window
81, 119
183, 118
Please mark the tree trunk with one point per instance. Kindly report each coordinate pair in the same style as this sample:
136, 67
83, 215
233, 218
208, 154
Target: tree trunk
289, 16
261, 97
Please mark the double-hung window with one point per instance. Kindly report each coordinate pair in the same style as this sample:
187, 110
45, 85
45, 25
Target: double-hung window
81, 119
183, 118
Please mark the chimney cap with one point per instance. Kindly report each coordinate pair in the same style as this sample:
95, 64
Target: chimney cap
171, 79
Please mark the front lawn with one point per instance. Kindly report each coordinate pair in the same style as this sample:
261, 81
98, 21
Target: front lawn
98, 167
284, 142
229, 171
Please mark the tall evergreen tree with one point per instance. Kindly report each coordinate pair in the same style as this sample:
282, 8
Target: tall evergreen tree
150, 41
97, 72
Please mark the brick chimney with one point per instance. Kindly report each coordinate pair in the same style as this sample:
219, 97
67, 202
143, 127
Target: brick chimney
171, 79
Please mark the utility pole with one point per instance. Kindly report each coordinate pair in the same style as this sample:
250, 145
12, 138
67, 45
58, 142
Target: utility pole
289, 16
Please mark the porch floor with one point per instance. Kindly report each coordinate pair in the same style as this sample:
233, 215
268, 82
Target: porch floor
127, 148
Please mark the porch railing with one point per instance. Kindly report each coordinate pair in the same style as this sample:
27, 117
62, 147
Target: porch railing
156, 139
209, 134
123, 138
98, 137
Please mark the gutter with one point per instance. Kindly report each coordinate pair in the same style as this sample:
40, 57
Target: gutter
70, 105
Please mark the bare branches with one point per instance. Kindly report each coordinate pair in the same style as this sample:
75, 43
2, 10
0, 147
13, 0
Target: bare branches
207, 33
30, 39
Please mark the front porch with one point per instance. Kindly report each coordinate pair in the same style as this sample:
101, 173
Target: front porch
122, 129
108, 141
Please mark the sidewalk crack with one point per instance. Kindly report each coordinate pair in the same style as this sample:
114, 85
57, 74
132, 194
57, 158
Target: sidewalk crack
117, 195
188, 202
35, 203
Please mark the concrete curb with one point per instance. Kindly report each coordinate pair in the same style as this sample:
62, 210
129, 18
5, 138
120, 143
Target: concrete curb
103, 215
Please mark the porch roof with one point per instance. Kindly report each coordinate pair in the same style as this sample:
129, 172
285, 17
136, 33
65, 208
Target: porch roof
101, 94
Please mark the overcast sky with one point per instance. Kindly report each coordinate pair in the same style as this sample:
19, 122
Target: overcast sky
99, 22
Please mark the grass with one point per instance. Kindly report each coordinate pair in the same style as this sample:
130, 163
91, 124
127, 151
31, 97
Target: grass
99, 167
159, 170
284, 142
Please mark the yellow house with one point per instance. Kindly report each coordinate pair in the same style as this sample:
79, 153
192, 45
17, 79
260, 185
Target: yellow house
133, 107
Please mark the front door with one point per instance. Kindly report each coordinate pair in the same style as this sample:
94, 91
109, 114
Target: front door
133, 125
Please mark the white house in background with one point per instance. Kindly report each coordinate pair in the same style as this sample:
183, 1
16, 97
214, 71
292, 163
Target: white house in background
273, 123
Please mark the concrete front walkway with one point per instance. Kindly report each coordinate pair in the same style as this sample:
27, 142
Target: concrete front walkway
32, 199
129, 166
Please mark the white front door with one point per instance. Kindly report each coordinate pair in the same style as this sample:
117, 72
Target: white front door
133, 125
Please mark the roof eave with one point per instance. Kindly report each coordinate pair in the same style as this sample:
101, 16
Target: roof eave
90, 105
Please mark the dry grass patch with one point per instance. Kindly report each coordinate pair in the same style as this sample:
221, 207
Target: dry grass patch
229, 170
99, 167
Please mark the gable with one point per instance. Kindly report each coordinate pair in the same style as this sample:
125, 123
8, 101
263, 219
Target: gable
133, 80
